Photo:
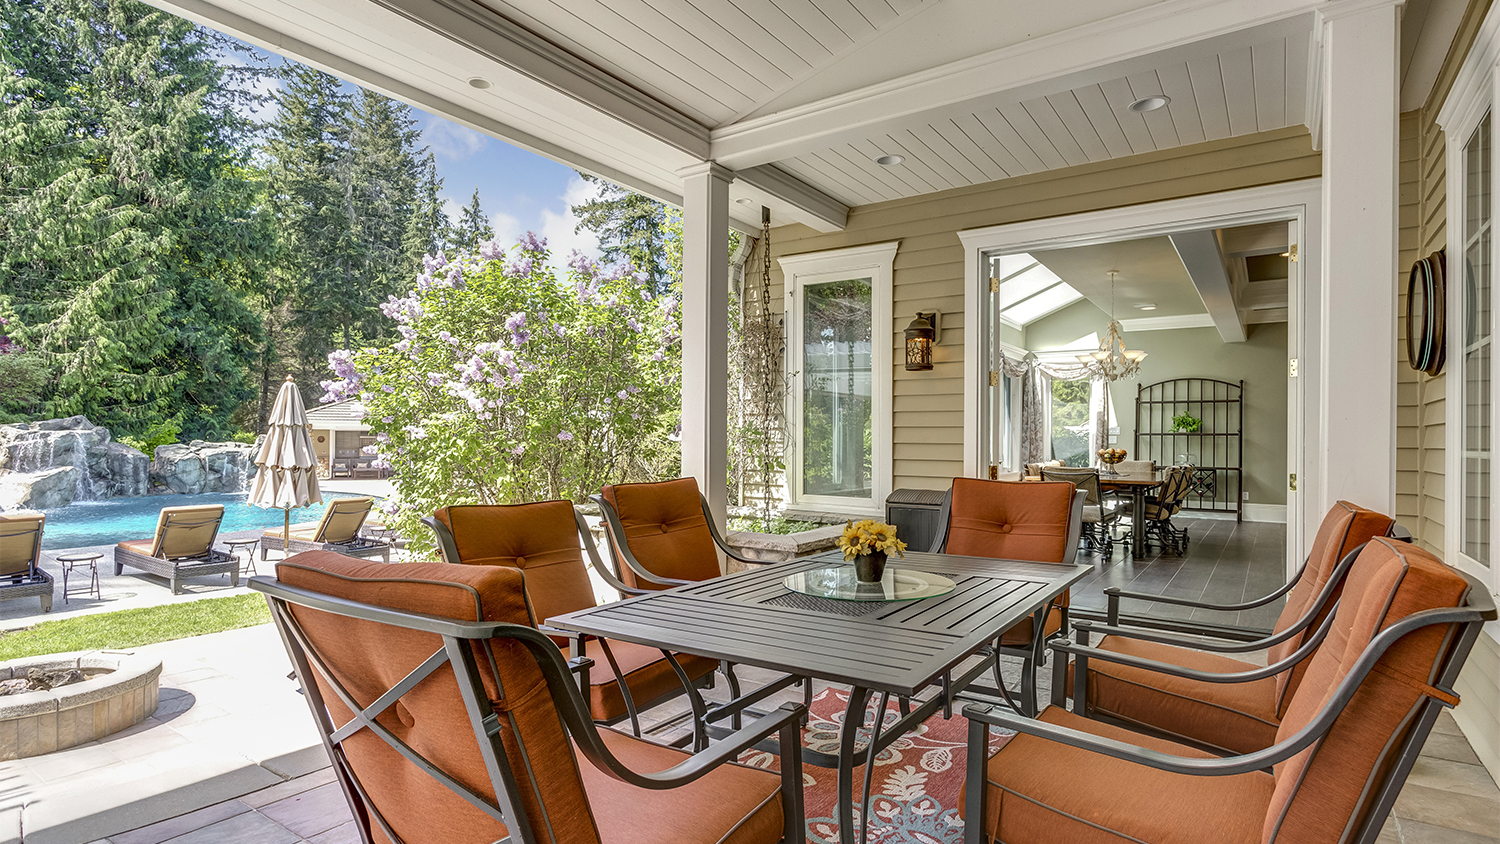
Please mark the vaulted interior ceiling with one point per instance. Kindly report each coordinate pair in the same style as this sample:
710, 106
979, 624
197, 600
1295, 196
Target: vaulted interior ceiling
800, 96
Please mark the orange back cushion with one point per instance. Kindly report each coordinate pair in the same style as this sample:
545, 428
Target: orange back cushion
1009, 520
1346, 527
1319, 790
665, 529
540, 538
369, 658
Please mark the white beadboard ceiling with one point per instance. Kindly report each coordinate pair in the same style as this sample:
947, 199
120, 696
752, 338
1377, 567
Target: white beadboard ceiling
799, 97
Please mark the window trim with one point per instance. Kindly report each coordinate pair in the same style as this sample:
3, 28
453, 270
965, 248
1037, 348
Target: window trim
1475, 92
877, 262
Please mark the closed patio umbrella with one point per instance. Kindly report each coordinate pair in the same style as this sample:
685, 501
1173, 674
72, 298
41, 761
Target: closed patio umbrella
287, 476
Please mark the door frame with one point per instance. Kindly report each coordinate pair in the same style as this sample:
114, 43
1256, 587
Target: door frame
1298, 202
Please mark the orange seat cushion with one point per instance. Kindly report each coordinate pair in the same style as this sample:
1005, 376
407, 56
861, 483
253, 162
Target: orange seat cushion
732, 805
665, 530
1009, 521
1042, 792
647, 673
1236, 717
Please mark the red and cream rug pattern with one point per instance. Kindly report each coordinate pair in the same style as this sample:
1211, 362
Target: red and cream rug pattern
914, 792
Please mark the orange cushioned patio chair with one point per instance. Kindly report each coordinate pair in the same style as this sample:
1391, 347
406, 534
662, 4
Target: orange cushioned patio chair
1186, 690
1396, 642
338, 530
451, 720
21, 574
542, 539
182, 547
1039, 522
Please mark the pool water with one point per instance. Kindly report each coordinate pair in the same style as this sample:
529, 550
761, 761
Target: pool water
108, 522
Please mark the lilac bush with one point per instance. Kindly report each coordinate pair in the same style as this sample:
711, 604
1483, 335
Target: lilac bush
510, 384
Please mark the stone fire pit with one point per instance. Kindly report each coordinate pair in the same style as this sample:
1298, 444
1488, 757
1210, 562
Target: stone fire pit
120, 691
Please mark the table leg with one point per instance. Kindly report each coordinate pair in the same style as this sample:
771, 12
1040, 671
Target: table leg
1138, 522
854, 716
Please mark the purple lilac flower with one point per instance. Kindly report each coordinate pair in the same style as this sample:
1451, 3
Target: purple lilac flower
523, 266
531, 243
369, 450
565, 437
435, 379
455, 276
634, 326
518, 450
622, 395
433, 263
491, 250
581, 263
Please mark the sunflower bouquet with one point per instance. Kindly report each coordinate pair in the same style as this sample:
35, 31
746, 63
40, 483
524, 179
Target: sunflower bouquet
868, 536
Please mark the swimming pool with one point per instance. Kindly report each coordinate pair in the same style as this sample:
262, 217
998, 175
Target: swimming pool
108, 522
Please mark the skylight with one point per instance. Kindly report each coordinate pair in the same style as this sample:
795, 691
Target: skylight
1028, 290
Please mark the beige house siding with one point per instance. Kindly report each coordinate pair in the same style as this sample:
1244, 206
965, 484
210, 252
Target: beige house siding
929, 267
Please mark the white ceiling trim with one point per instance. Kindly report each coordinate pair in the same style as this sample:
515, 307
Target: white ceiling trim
811, 206
1167, 323
1050, 59
1317, 58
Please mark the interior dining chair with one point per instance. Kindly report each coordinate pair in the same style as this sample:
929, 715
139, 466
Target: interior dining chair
541, 539
1156, 519
1037, 522
450, 720
1100, 512
1191, 690
1353, 730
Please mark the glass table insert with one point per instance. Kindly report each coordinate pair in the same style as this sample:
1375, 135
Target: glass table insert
839, 583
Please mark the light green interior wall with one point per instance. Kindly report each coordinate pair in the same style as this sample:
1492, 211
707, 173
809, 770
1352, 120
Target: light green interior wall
1013, 336
1197, 353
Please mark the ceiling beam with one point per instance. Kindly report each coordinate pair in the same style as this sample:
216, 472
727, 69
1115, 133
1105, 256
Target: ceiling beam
808, 205
1204, 261
1094, 52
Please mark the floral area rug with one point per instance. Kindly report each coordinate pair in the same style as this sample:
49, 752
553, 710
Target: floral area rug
914, 792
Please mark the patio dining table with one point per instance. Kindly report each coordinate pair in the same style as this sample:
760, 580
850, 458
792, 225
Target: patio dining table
1137, 485
877, 648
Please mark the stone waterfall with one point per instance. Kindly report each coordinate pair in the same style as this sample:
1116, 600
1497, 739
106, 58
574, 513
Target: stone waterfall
55, 462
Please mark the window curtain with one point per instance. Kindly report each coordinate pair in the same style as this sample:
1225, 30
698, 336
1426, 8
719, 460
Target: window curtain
1036, 403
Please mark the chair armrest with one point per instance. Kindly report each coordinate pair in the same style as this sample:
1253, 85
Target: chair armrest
580, 666
1202, 644
604, 571
713, 530
786, 720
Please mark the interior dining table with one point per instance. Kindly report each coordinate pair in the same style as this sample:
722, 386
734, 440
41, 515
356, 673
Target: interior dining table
1137, 484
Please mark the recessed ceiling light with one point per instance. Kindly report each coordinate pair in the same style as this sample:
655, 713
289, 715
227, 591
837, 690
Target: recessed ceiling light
744, 200
1147, 306
1149, 103
481, 83
889, 160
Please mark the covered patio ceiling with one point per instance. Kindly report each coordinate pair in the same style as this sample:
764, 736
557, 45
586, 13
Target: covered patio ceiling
800, 97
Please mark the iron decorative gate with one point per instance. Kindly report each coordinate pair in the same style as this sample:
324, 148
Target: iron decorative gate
1215, 446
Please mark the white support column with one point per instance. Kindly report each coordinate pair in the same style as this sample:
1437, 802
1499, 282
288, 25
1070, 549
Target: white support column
1360, 89
705, 330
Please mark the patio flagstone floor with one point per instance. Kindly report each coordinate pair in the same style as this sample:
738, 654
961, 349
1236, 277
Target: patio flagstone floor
231, 755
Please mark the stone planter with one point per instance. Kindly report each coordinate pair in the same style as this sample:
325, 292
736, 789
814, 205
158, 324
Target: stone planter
35, 723
776, 548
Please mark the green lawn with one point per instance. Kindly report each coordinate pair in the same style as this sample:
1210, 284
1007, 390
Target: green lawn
778, 525
129, 628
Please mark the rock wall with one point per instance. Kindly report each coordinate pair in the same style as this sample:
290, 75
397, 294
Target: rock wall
55, 462
203, 467
39, 459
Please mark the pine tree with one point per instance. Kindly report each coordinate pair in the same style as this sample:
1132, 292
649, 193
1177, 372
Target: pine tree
630, 227
472, 229
385, 175
427, 227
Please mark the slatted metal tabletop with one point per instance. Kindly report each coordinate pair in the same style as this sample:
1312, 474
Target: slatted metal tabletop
898, 647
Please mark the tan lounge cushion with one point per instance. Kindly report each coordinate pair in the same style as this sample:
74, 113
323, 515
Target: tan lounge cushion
1237, 717
186, 531
20, 536
1043, 792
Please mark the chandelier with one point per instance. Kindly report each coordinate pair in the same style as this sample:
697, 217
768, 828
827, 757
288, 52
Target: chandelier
1112, 362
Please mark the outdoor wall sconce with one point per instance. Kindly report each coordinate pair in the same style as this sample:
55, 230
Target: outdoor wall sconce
921, 336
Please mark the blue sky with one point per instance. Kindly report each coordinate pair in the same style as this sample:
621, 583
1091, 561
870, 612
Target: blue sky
519, 190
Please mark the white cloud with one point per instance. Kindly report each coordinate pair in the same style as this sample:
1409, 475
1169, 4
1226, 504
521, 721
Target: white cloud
558, 228
452, 141
508, 229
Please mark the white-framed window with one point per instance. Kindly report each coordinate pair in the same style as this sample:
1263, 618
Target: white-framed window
840, 349
1472, 533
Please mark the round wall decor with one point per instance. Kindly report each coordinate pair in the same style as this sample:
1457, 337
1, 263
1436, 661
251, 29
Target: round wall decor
1426, 309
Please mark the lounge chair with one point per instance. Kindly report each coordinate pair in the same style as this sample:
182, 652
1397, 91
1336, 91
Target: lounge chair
338, 531
182, 547
21, 574
1402, 631
541, 539
1039, 522
450, 720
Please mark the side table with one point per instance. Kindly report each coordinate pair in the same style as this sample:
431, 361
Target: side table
249, 559
69, 562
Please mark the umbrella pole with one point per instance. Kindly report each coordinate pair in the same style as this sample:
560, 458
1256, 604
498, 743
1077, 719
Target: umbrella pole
286, 533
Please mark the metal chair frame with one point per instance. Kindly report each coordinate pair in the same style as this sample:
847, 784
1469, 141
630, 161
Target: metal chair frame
503, 803
1470, 618
1034, 655
1098, 534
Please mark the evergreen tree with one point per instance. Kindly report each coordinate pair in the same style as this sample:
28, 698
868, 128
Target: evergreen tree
427, 227
472, 228
385, 176
630, 227
121, 206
